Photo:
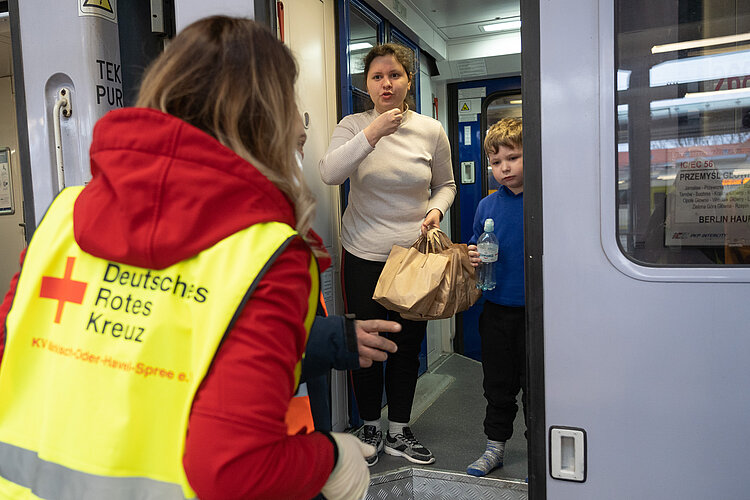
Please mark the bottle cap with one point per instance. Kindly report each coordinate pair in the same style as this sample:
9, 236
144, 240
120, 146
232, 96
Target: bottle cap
489, 225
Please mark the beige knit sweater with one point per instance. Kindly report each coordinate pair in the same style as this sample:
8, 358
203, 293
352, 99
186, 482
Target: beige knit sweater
393, 185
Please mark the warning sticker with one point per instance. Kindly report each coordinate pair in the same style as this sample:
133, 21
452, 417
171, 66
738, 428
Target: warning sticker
106, 9
469, 109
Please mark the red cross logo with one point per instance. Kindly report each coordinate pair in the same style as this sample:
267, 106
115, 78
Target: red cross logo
63, 289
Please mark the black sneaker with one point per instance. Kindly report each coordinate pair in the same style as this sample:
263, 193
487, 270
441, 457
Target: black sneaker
369, 435
406, 445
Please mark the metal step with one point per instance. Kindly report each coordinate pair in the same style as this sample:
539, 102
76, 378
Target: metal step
418, 484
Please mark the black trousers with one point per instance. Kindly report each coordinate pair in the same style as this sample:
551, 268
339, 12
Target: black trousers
360, 277
502, 330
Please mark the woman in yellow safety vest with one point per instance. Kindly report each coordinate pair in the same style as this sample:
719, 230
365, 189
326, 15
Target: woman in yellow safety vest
152, 340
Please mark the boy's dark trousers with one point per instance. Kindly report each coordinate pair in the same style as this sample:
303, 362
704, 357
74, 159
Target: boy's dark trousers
502, 330
360, 277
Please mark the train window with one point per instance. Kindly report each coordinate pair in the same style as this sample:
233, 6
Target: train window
412, 97
363, 35
683, 131
360, 101
499, 106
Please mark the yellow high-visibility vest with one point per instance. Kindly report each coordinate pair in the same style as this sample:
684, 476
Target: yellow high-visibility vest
102, 360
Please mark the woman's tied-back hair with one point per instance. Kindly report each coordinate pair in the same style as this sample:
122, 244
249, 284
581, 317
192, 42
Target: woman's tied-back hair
506, 132
231, 78
404, 57
402, 54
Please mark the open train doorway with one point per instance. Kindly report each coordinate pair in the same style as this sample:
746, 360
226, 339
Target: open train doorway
12, 221
457, 54
476, 106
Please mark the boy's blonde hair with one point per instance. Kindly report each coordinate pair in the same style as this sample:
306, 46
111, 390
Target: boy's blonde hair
506, 132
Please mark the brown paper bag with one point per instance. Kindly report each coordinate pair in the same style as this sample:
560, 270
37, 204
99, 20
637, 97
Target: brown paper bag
456, 289
410, 279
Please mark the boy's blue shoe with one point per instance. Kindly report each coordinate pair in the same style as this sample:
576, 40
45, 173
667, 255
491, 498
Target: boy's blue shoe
491, 459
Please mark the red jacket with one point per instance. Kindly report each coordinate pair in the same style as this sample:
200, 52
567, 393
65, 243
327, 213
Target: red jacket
161, 192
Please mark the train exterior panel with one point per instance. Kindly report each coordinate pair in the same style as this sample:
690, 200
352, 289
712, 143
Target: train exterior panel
649, 360
80, 55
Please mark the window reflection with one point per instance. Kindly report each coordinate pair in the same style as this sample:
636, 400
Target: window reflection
361, 101
683, 132
412, 94
363, 36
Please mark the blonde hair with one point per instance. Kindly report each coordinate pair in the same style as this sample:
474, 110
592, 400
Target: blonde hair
506, 132
232, 78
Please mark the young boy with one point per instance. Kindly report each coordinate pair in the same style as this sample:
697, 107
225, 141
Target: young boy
502, 322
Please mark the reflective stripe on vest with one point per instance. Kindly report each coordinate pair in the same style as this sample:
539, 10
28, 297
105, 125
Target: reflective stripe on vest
25, 469
102, 360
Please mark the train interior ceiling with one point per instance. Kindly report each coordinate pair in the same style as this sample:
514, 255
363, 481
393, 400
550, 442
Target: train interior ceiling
468, 56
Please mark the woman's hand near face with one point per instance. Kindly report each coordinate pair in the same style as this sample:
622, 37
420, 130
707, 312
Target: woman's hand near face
385, 124
432, 219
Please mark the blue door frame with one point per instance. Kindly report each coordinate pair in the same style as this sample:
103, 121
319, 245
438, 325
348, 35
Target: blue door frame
467, 334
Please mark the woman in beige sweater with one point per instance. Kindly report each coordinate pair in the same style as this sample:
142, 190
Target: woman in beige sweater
398, 163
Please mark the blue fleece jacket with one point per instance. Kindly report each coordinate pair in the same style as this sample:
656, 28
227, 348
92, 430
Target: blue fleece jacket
506, 209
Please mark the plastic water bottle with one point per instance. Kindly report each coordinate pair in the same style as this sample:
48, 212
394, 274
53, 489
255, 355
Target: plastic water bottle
487, 246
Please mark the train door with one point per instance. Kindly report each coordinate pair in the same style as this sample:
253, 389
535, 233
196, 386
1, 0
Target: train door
144, 28
476, 105
637, 321
62, 92
58, 91
308, 28
12, 235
